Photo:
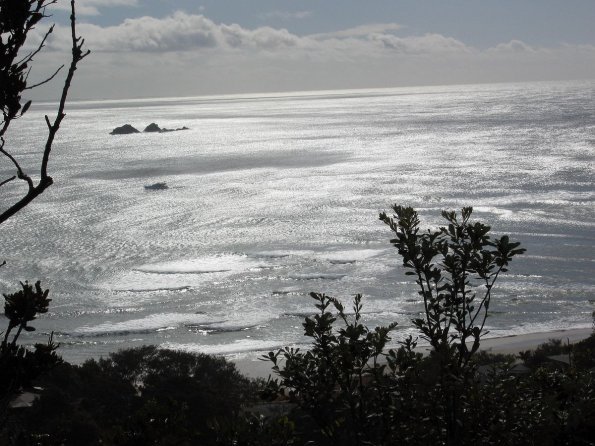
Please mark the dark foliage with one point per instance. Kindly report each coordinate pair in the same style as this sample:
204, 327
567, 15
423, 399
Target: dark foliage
23, 307
455, 268
19, 365
583, 353
142, 396
405, 404
351, 391
580, 355
343, 382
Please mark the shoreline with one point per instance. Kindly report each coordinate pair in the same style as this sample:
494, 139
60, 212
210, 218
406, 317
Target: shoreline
511, 344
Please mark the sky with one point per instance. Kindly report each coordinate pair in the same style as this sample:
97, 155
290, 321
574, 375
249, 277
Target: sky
171, 48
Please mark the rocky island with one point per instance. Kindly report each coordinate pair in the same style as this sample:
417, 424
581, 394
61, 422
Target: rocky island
127, 129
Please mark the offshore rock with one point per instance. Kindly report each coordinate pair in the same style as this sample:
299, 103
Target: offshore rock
152, 128
156, 186
126, 129
164, 130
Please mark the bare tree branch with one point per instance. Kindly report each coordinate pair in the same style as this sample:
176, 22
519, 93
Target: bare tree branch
77, 56
11, 110
20, 173
45, 81
29, 57
7, 180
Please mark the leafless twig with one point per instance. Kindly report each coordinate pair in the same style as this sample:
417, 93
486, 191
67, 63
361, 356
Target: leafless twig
78, 54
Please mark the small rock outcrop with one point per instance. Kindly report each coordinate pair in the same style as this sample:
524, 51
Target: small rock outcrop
152, 128
126, 129
155, 128
156, 186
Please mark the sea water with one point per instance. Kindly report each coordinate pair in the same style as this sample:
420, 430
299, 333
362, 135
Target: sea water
271, 197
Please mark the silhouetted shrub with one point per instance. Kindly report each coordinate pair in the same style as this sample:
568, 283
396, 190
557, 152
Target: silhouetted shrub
584, 353
343, 382
142, 396
20, 365
357, 393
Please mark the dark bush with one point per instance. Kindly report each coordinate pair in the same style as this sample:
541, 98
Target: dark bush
141, 396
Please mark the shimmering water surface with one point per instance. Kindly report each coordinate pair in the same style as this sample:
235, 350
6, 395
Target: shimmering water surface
273, 197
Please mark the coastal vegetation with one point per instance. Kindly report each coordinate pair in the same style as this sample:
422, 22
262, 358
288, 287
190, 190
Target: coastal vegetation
352, 386
154, 396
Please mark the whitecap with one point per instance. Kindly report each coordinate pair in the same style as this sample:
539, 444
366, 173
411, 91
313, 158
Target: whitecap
151, 323
238, 346
500, 212
219, 327
317, 276
351, 256
288, 291
271, 254
180, 275
204, 265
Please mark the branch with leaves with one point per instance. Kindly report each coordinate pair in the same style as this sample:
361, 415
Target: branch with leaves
17, 20
342, 379
455, 268
23, 307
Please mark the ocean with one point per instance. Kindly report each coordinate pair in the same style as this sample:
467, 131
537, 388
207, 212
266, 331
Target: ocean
273, 196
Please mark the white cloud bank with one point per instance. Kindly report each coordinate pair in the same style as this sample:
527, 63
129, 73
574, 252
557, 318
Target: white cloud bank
92, 7
178, 32
185, 32
186, 54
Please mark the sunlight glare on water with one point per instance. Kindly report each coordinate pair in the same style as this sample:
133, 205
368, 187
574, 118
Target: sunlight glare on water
270, 198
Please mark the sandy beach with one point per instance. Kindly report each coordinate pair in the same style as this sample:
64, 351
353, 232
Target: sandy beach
256, 368
519, 343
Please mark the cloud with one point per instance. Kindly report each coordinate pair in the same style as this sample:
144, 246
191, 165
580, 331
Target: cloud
183, 32
91, 7
177, 32
190, 54
189, 32
359, 31
514, 46
286, 15
429, 43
